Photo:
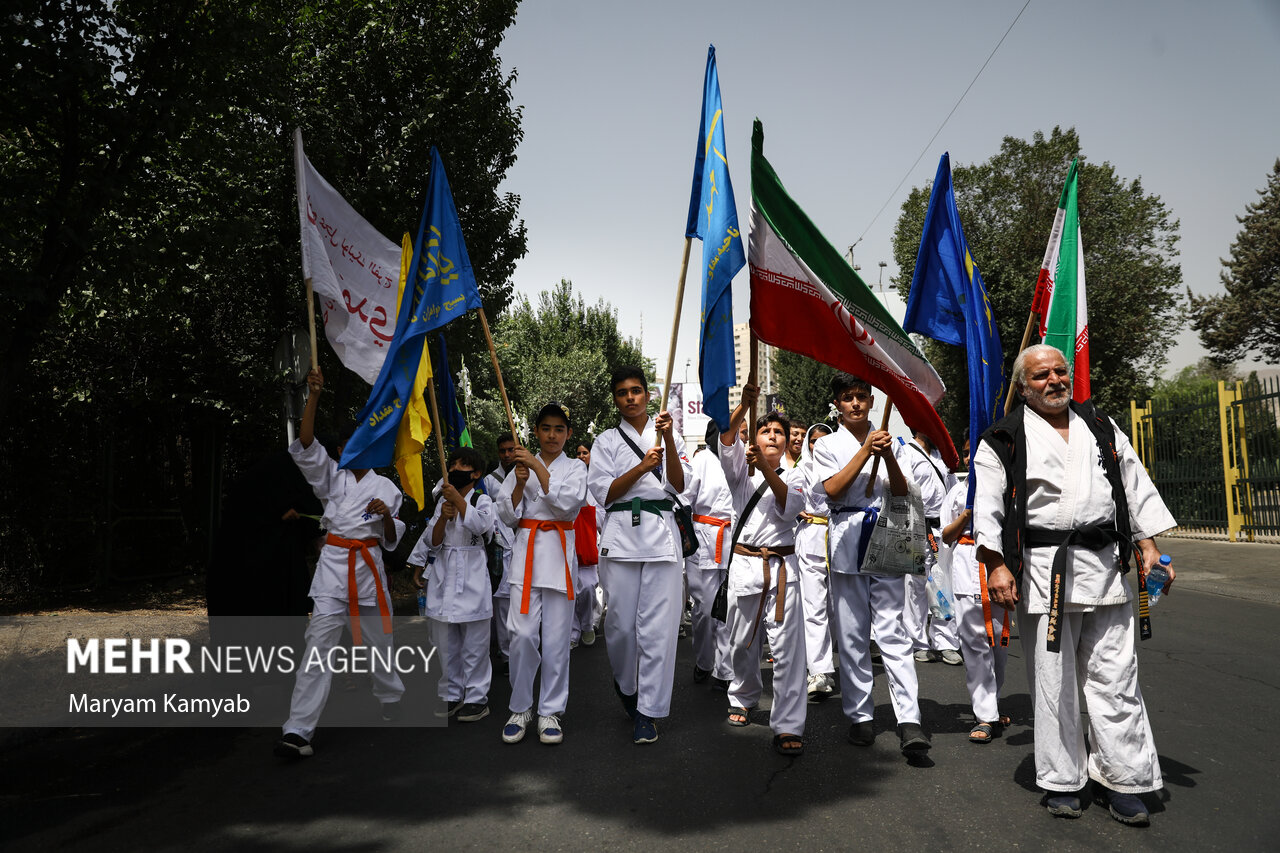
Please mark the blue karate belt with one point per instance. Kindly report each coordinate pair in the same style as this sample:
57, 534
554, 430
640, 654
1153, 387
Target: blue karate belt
870, 514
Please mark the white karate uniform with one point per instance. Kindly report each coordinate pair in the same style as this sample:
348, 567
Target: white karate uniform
640, 569
811, 555
345, 500
865, 606
459, 599
1066, 489
934, 480
984, 665
707, 494
770, 524
540, 637
502, 594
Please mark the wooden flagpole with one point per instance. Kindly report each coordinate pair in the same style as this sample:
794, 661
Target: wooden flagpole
435, 421
311, 322
675, 331
884, 425
1026, 339
497, 371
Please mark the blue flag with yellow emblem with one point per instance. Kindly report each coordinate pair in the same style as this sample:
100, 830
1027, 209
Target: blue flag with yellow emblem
439, 287
948, 302
713, 218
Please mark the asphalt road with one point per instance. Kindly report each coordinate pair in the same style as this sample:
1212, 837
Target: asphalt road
1209, 676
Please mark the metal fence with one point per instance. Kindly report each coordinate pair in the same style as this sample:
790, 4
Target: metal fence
1215, 456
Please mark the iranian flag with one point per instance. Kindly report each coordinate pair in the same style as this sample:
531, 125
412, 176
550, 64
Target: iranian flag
1060, 300
805, 298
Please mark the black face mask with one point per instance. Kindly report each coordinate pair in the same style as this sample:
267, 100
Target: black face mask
460, 479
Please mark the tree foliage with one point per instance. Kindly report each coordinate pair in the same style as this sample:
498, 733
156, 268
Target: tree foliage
151, 239
1007, 205
1244, 319
564, 350
804, 385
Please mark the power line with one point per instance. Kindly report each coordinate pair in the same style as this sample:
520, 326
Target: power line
927, 145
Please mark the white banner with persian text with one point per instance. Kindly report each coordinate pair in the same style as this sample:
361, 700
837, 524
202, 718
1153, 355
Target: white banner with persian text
354, 271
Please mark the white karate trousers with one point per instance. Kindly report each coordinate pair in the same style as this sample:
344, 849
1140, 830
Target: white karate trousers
467, 670
641, 627
540, 639
869, 607
786, 646
815, 592
984, 666
311, 688
1097, 657
710, 636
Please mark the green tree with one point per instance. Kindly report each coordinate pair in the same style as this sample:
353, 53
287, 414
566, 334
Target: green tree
1244, 319
151, 238
1007, 205
564, 350
804, 385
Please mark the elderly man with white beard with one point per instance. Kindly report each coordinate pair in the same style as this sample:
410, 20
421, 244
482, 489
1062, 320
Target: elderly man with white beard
1063, 510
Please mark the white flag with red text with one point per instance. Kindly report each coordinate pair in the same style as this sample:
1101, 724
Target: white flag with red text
354, 271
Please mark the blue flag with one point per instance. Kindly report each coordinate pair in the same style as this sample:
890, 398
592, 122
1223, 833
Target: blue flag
439, 286
713, 218
948, 302
452, 423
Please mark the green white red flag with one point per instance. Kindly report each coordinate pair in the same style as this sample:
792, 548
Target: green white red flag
807, 299
1060, 298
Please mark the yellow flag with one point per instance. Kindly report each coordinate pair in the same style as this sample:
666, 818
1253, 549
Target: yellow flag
415, 426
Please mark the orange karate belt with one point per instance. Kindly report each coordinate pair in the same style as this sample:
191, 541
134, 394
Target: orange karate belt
353, 597
966, 539
533, 526
721, 523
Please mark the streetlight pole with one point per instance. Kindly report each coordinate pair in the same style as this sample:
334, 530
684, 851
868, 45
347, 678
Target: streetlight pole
881, 283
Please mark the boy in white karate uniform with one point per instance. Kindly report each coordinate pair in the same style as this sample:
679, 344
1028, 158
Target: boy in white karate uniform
543, 580
708, 496
635, 479
866, 606
505, 537
459, 593
931, 639
349, 588
763, 575
811, 556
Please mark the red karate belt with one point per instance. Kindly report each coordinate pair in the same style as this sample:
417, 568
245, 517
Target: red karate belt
721, 523
966, 539
533, 526
353, 597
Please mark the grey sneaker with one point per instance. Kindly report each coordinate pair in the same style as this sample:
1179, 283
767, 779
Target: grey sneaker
588, 637
952, 657
927, 656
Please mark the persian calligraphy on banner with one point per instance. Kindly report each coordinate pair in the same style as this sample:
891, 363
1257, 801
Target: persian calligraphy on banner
352, 267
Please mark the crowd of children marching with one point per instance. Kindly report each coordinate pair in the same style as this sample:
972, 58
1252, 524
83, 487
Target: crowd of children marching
761, 535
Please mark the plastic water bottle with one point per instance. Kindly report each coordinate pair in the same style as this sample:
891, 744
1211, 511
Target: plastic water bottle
940, 602
1157, 577
422, 601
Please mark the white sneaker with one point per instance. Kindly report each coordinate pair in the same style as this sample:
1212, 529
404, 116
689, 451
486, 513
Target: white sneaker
513, 731
549, 730
952, 657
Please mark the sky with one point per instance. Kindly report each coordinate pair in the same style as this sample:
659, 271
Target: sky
1178, 93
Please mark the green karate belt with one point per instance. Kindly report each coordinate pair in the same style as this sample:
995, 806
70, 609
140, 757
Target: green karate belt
638, 505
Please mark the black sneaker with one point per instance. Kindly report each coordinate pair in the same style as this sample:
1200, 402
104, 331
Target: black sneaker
293, 746
863, 733
472, 712
700, 675
914, 740
448, 710
1127, 808
719, 684
628, 700
1063, 805
390, 711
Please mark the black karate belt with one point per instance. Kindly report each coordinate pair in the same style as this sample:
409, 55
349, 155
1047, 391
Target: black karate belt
1095, 537
933, 521
637, 505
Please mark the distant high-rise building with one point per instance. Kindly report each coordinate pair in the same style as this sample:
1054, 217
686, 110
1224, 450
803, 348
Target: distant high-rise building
742, 366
